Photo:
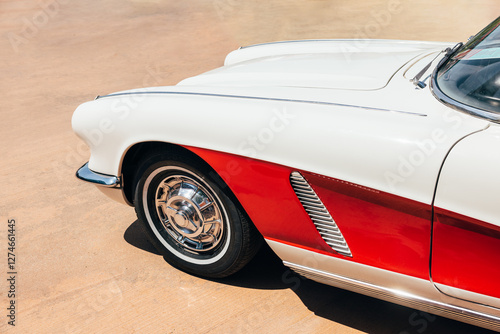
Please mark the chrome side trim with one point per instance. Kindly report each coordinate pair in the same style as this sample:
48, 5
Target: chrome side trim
292, 41
398, 297
84, 173
323, 40
269, 99
468, 295
446, 100
383, 284
319, 214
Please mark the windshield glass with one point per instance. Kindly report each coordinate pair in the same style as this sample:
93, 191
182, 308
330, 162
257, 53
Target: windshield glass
471, 76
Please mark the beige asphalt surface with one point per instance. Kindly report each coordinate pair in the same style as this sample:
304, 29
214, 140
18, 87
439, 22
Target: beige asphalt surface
82, 262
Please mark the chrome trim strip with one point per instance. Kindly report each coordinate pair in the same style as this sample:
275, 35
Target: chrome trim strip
269, 99
448, 101
384, 284
294, 41
321, 218
398, 297
329, 40
468, 295
84, 173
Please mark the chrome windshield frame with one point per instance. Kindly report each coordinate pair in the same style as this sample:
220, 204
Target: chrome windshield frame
454, 104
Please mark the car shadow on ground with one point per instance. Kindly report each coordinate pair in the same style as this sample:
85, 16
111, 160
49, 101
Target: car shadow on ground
353, 310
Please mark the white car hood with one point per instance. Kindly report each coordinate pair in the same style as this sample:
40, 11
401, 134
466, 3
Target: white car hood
333, 64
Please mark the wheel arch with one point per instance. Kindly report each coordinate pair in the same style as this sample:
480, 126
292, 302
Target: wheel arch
136, 154
134, 157
143, 165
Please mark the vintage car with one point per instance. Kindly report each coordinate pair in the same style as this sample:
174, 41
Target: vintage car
370, 165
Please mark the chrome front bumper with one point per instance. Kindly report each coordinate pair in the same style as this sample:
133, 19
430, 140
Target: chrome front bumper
109, 185
103, 180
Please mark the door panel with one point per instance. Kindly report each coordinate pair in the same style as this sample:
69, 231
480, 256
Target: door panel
464, 254
466, 229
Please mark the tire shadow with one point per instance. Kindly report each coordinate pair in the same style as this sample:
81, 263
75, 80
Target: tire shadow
136, 237
266, 272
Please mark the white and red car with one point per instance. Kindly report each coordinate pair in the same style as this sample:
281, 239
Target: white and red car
370, 165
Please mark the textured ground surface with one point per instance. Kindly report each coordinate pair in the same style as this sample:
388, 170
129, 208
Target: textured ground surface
83, 265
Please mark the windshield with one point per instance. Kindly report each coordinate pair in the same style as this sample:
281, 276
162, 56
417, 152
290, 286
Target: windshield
471, 76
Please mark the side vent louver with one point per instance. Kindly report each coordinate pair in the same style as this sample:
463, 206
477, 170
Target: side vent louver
319, 215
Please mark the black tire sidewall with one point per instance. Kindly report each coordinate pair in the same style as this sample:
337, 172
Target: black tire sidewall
202, 265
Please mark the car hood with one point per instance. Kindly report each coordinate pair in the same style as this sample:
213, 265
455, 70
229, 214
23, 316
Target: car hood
333, 64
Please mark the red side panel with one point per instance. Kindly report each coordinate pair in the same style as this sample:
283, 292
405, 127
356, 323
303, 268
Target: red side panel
465, 253
264, 190
381, 230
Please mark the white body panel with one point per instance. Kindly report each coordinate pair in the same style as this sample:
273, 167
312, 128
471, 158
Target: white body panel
469, 183
404, 150
348, 47
393, 139
314, 64
341, 109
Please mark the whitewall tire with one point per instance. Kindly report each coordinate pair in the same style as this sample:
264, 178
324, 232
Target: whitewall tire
190, 220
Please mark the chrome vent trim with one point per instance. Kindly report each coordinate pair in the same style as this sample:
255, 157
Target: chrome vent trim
319, 215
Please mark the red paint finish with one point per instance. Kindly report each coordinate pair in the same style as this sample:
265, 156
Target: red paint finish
465, 253
264, 190
382, 230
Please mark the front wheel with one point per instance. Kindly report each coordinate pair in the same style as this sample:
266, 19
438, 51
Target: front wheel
191, 220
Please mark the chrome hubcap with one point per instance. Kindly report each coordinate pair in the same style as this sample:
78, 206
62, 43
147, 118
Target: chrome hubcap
189, 213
